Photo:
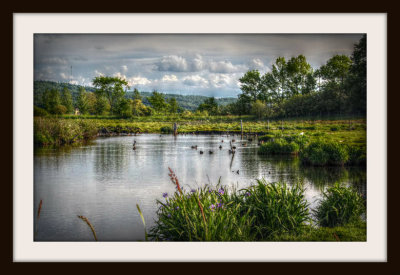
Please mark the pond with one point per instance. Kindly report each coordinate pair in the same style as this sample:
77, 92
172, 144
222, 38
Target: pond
105, 180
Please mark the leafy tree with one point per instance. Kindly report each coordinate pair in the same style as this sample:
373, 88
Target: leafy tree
101, 106
250, 84
277, 79
124, 108
173, 105
259, 108
112, 88
82, 101
336, 70
209, 105
299, 73
51, 99
91, 99
136, 95
139, 109
357, 80
157, 101
66, 100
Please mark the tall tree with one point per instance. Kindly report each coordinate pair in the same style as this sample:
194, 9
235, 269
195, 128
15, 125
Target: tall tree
157, 101
173, 105
66, 100
82, 101
112, 88
357, 81
136, 95
298, 72
210, 105
51, 99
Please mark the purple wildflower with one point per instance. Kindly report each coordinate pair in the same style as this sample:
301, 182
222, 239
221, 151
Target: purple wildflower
193, 190
219, 205
169, 215
165, 195
221, 191
212, 207
177, 208
248, 194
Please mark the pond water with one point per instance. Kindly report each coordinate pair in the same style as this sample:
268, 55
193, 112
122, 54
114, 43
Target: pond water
106, 179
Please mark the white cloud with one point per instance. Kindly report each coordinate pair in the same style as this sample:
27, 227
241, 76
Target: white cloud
173, 63
224, 67
124, 68
169, 78
195, 80
138, 80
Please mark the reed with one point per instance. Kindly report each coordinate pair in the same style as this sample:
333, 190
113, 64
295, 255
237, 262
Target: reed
339, 206
83, 218
144, 223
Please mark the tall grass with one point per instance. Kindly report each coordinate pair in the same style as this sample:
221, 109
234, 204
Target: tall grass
220, 214
339, 206
86, 220
275, 208
279, 146
53, 131
322, 153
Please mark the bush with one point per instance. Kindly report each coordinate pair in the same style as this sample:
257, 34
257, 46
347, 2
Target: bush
267, 137
276, 208
320, 153
340, 205
357, 155
37, 111
166, 130
279, 146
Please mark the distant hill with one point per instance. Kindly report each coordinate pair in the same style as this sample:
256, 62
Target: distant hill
189, 102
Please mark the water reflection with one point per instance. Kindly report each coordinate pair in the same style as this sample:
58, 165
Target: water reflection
105, 180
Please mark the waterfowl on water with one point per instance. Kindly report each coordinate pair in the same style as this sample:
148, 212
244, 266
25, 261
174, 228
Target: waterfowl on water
201, 152
222, 140
220, 147
233, 147
194, 147
237, 172
210, 152
233, 140
134, 145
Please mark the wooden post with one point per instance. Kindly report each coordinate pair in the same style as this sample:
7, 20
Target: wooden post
175, 129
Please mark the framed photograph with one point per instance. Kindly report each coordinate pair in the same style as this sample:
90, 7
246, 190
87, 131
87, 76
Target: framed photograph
200, 137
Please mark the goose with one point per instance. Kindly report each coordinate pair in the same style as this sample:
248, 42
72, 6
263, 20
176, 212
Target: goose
210, 152
201, 152
220, 147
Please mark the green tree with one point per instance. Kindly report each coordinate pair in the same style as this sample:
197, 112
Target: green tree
357, 80
124, 108
136, 95
92, 101
82, 101
299, 73
259, 108
336, 70
157, 101
112, 88
51, 99
173, 105
66, 100
210, 105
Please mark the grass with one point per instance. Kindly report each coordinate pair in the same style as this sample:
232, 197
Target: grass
262, 212
86, 220
340, 205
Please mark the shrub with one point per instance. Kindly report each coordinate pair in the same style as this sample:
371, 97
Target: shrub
275, 207
279, 146
322, 153
267, 137
340, 205
166, 130
357, 155
37, 111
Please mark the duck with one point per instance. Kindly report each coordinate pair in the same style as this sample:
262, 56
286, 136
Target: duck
211, 152
220, 147
134, 145
201, 152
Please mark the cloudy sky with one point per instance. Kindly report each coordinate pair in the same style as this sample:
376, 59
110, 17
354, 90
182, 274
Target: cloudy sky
183, 64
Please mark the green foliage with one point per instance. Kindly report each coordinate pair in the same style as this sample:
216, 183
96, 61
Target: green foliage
276, 208
279, 146
340, 205
112, 88
204, 214
52, 131
82, 101
66, 100
124, 108
51, 99
267, 137
166, 130
157, 101
210, 106
322, 153
37, 111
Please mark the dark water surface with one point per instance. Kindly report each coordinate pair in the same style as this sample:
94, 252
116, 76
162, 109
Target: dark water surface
106, 179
